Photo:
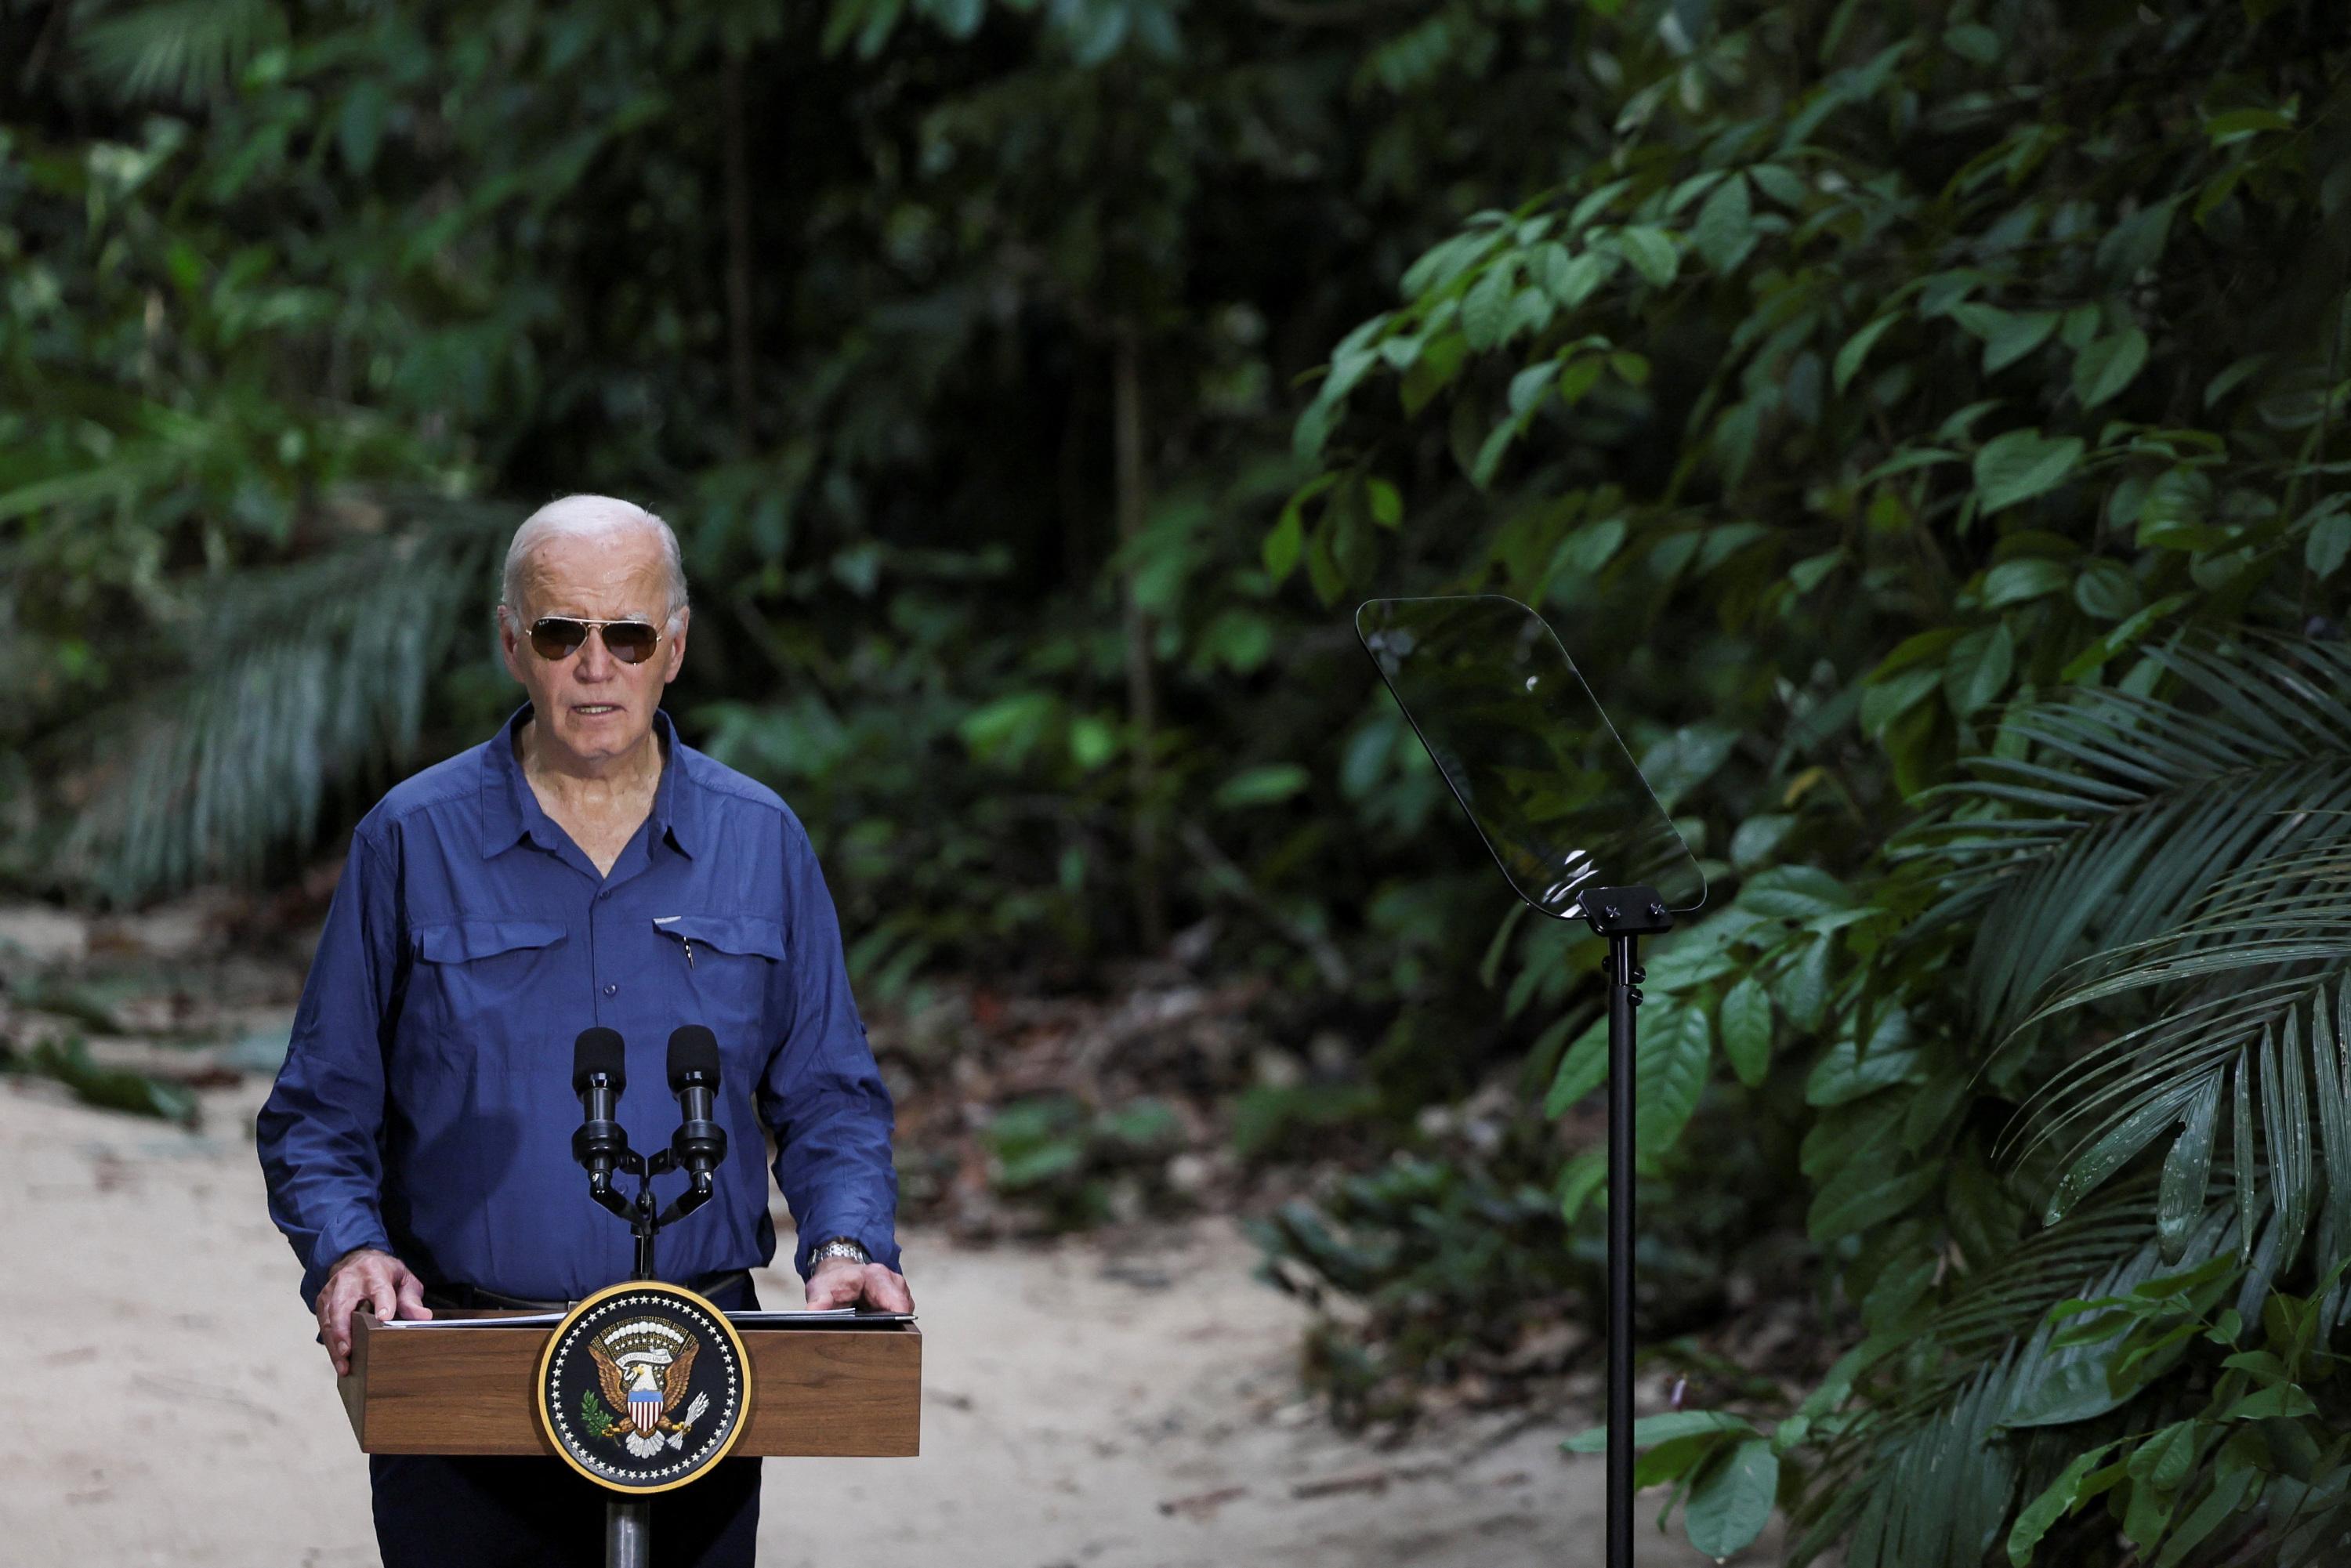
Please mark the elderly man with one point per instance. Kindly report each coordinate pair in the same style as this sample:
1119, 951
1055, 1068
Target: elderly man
581, 867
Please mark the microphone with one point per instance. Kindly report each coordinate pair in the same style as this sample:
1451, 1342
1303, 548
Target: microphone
599, 1076
700, 1143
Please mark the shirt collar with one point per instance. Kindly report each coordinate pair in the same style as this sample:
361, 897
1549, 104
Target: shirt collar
511, 811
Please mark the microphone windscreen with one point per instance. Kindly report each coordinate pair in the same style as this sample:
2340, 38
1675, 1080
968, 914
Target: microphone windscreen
599, 1051
693, 1050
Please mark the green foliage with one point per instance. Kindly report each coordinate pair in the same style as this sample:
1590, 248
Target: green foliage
1051, 1152
1955, 397
1925, 421
111, 1088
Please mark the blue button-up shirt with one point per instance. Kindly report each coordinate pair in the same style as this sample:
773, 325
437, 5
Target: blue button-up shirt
425, 1106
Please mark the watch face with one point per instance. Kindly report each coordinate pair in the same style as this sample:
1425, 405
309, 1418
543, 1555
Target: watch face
643, 1387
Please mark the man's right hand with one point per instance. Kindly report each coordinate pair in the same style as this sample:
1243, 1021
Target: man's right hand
377, 1278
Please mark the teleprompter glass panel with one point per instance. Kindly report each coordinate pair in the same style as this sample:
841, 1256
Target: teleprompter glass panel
1527, 750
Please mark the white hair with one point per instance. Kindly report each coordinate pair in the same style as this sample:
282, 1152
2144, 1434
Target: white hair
590, 516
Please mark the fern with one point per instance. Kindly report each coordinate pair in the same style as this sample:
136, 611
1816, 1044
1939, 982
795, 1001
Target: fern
298, 680
182, 50
2105, 814
1976, 1406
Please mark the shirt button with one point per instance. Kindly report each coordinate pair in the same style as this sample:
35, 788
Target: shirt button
611, 989
603, 892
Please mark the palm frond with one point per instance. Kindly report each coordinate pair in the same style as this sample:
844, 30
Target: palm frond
2251, 996
298, 680
180, 51
2108, 813
1924, 1474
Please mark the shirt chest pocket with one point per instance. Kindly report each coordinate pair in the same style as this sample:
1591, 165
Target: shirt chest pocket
731, 966
481, 987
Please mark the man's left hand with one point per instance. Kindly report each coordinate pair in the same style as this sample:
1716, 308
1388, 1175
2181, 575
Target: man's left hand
838, 1283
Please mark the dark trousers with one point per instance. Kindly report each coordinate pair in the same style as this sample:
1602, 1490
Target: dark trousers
470, 1511
479, 1511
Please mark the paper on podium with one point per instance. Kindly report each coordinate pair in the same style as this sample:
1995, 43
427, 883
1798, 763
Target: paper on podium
813, 1317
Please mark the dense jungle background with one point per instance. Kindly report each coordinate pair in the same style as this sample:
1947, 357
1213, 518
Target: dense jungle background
1921, 421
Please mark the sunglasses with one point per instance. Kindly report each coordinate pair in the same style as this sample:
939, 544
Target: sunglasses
556, 637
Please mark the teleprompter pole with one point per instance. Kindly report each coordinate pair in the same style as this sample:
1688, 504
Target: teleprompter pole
1623, 914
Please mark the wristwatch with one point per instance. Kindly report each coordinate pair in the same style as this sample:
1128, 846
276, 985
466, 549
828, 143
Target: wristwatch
839, 1247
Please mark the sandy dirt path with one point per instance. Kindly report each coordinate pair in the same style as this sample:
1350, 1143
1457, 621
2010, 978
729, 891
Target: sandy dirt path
180, 1415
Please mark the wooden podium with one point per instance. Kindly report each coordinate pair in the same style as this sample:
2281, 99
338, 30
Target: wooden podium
816, 1389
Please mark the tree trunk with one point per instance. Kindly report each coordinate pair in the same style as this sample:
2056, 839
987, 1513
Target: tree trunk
1141, 697
738, 251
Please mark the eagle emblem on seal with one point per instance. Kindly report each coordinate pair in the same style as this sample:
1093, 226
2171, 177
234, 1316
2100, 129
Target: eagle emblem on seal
644, 1367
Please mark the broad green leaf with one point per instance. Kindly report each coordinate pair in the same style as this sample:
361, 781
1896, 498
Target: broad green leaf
1856, 348
1579, 1179
1973, 41
1264, 786
1491, 452
1581, 1070
2237, 124
1883, 702
2283, 1399
1808, 573
2031, 577
1725, 230
2016, 336
1284, 543
2162, 1460
2106, 591
2108, 365
2226, 1496
1651, 1430
1758, 837
1530, 387
1591, 547
1747, 1031
2022, 464
2055, 1501
1794, 892
1846, 1072
1093, 741
1669, 1074
1862, 1198
1977, 668
2122, 637
1802, 988
1487, 305
1579, 376
1678, 1458
1651, 252
2137, 243
360, 129
1733, 1501
1580, 278
2328, 544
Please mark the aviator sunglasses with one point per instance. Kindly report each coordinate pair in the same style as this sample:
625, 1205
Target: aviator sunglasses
556, 637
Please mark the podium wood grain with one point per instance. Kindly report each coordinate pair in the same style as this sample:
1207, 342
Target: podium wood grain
835, 1392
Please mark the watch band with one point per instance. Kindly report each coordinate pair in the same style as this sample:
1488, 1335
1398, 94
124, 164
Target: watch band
838, 1246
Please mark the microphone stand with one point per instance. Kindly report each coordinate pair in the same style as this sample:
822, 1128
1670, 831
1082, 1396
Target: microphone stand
1624, 916
628, 1521
644, 1219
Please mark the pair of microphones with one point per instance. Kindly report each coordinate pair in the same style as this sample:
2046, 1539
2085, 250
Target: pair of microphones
600, 1077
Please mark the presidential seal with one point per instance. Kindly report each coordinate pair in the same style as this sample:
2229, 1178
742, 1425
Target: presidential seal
643, 1386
